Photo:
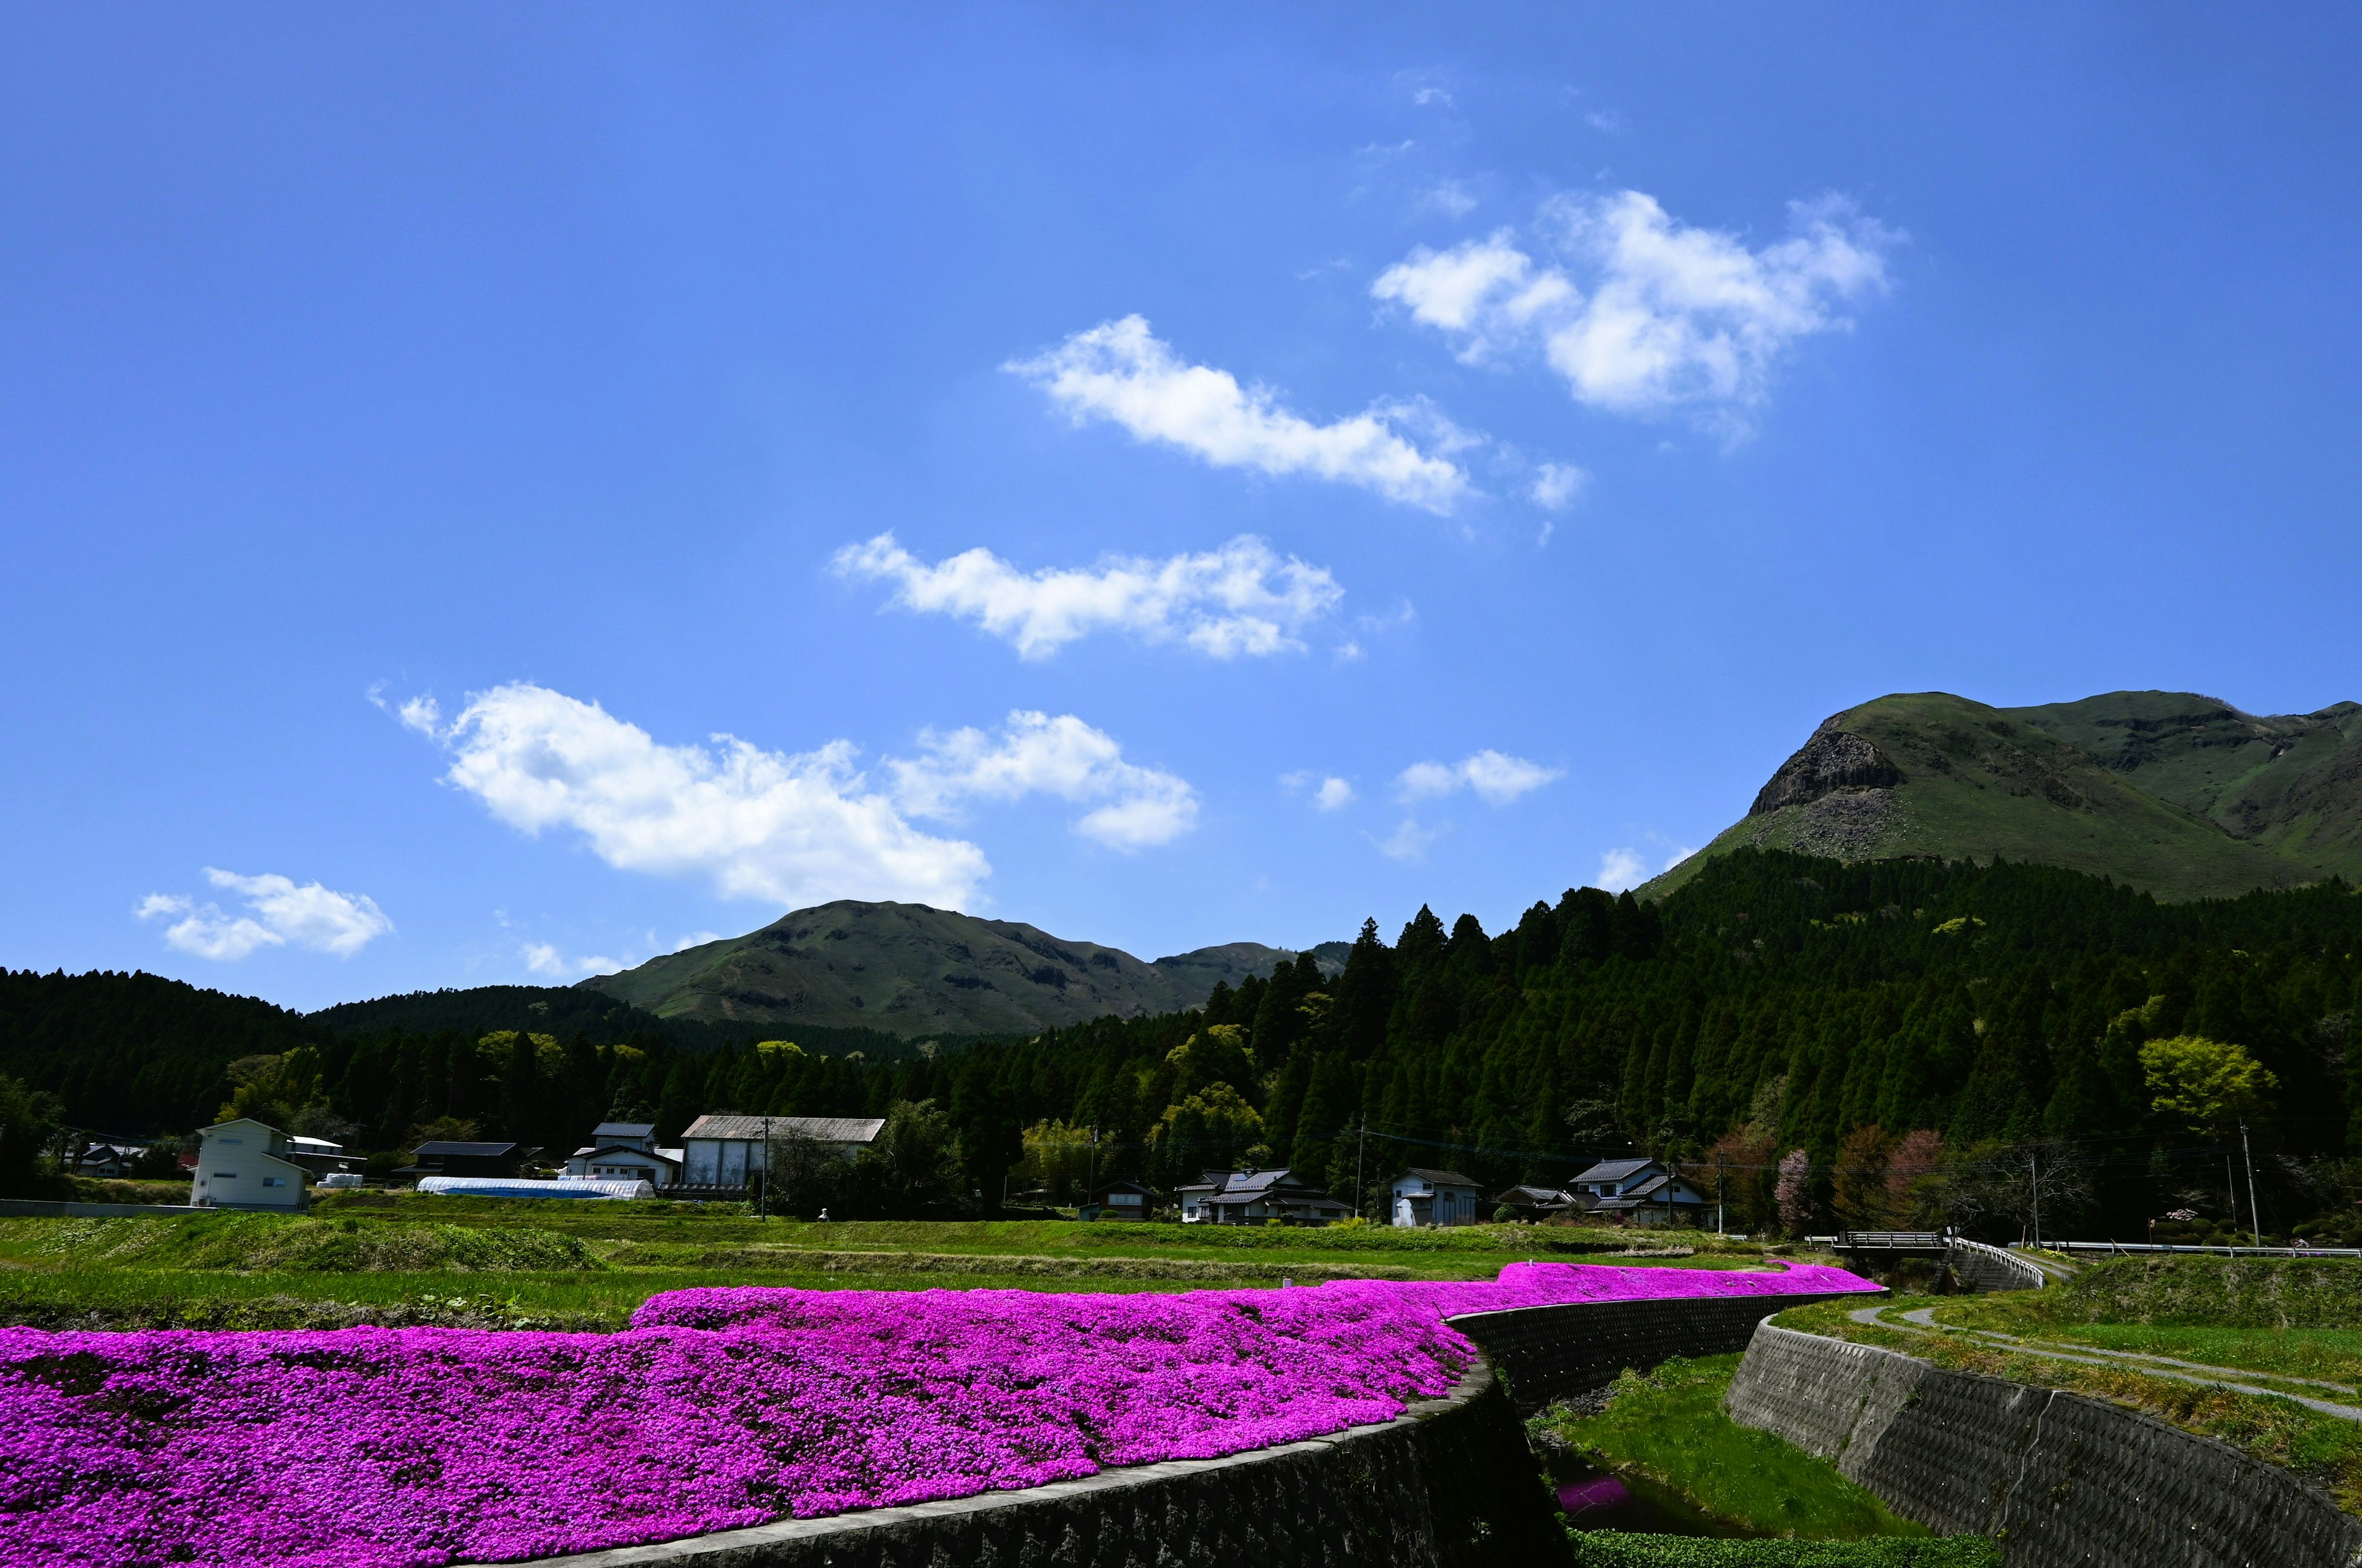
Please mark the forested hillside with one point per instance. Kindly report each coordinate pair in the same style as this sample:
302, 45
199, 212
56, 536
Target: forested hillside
1914, 1027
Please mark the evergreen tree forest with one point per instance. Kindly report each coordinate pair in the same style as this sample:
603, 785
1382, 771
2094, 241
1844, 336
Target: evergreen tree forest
1942, 1041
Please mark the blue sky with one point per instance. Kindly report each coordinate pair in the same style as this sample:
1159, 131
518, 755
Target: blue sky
1334, 458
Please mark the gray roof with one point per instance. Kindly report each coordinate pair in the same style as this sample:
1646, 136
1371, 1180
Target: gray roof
668, 1157
606, 1130
1438, 1179
1614, 1170
447, 1147
821, 1129
1532, 1195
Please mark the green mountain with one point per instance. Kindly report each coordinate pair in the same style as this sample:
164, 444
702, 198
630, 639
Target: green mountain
907, 969
2182, 795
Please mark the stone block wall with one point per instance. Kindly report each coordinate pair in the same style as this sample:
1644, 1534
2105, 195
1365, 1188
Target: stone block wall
1449, 1484
2065, 1481
1548, 1353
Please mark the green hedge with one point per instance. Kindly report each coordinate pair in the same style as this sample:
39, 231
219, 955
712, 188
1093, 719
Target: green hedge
1614, 1549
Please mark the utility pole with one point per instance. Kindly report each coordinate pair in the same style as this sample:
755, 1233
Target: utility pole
2034, 1176
763, 1192
1360, 1149
1718, 1189
1091, 1166
2255, 1220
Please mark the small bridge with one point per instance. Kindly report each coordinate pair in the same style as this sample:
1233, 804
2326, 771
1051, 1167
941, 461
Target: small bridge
1973, 1264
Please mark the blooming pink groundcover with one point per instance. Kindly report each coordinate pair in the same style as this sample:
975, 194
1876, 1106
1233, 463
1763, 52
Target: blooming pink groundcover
377, 1448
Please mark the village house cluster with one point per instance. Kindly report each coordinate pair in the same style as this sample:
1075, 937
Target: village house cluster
246, 1164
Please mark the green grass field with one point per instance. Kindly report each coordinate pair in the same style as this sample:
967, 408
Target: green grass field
1669, 1426
407, 1259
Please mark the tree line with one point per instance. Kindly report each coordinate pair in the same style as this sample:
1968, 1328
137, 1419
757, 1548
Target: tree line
1910, 1039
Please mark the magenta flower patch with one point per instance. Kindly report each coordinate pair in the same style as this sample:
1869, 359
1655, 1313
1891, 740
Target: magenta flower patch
374, 1447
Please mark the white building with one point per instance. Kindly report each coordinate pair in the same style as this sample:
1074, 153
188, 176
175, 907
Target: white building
244, 1165
727, 1151
1434, 1197
626, 1150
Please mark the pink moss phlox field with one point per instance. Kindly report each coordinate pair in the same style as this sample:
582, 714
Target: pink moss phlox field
375, 1448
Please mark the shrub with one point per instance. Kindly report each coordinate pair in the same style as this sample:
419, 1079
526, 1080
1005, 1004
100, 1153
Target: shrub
1610, 1549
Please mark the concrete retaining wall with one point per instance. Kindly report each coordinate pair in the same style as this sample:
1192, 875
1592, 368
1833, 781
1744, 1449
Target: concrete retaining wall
1986, 1268
1548, 1353
1448, 1485
2064, 1480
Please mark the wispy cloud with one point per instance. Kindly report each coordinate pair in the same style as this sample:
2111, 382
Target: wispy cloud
1035, 754
1120, 372
1409, 841
280, 913
1450, 197
789, 828
1607, 120
1496, 777
1644, 313
1242, 600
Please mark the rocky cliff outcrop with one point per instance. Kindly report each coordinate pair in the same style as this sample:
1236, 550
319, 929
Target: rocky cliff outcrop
1832, 760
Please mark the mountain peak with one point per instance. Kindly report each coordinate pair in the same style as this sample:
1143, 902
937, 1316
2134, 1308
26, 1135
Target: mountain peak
2181, 794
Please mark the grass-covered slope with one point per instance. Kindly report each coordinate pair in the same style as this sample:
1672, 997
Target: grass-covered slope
909, 970
1932, 775
2289, 783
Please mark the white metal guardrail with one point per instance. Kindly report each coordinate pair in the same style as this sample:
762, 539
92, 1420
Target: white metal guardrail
2140, 1248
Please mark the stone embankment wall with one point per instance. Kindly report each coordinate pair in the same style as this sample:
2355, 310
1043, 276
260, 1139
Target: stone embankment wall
1448, 1485
1548, 1353
1984, 1268
2064, 1480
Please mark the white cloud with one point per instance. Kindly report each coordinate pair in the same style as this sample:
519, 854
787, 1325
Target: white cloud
1427, 95
1240, 599
1330, 793
1035, 754
1645, 313
1118, 371
1607, 120
791, 828
1679, 854
1621, 868
1496, 777
1556, 485
696, 939
542, 959
280, 913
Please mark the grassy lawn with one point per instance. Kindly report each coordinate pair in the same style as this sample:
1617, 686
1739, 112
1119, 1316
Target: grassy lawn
2323, 1448
1605, 1549
408, 1259
1669, 1426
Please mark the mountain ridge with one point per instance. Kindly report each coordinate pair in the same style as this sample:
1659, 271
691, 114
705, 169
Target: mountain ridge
2177, 793
910, 969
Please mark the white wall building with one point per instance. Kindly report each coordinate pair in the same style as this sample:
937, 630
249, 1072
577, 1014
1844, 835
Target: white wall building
727, 1151
1434, 1197
243, 1164
626, 1150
